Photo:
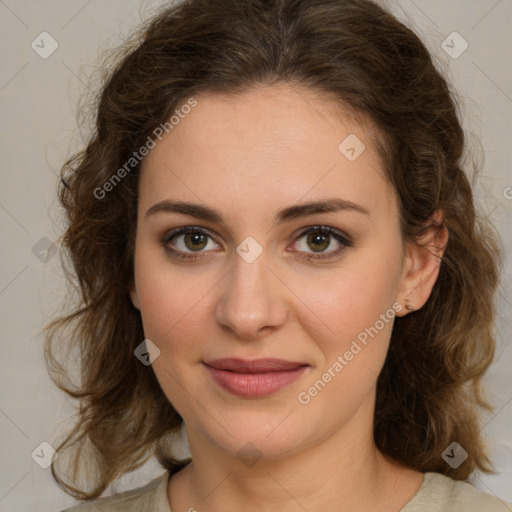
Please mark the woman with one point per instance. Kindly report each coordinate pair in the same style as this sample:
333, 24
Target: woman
277, 248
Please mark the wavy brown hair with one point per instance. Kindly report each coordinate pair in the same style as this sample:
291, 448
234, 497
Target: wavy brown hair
429, 392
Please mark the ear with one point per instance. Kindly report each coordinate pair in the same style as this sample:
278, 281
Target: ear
421, 265
134, 295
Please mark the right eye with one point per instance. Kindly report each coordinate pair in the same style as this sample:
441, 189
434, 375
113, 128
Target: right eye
190, 240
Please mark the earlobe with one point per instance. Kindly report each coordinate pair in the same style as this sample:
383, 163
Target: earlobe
134, 295
421, 268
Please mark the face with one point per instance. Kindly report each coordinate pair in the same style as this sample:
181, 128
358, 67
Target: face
263, 277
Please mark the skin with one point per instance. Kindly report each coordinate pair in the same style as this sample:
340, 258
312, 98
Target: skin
248, 156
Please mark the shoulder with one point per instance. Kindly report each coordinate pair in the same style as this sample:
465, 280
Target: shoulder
439, 493
152, 496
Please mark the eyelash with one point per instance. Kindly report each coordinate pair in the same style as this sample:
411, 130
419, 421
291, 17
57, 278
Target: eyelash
324, 230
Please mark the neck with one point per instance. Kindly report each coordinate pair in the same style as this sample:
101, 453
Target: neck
344, 471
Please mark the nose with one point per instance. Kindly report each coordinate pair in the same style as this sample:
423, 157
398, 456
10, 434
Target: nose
252, 299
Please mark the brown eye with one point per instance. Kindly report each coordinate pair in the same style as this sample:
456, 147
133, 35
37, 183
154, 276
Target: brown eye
195, 241
318, 239
184, 242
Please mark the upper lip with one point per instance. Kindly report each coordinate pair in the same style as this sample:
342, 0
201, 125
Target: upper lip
253, 366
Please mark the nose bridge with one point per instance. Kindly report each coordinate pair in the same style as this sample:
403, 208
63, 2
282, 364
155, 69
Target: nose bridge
251, 297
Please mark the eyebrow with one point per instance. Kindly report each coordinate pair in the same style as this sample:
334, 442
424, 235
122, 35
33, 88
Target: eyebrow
286, 214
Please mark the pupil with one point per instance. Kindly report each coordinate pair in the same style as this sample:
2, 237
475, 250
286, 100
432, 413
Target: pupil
318, 238
196, 237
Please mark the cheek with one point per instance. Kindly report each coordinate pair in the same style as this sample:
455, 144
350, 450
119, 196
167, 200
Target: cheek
175, 312
355, 304
358, 315
174, 304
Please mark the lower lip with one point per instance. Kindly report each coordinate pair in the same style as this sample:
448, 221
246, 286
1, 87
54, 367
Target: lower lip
255, 384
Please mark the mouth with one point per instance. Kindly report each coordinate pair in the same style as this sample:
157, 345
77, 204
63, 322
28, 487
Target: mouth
254, 378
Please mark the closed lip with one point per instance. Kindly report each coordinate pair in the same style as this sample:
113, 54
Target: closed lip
253, 366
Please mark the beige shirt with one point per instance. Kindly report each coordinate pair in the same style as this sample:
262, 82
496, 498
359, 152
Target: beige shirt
437, 493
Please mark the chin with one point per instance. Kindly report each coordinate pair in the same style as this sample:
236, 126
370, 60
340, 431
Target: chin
271, 436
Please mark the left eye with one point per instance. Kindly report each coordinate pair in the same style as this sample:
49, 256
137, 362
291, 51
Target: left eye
320, 238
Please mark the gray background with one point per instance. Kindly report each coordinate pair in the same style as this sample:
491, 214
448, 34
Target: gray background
38, 101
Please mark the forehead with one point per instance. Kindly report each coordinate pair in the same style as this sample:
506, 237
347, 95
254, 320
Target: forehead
272, 144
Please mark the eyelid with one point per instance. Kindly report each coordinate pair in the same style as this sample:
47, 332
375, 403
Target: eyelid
304, 230
344, 239
166, 238
325, 229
